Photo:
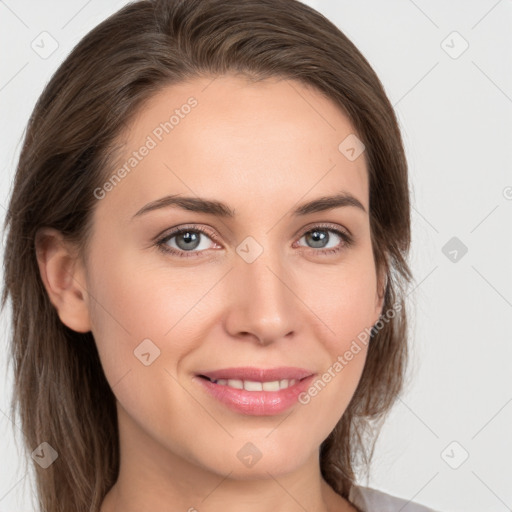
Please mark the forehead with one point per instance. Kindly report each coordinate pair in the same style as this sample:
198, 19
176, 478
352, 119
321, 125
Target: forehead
226, 137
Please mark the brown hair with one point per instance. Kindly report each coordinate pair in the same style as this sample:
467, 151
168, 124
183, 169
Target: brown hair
61, 392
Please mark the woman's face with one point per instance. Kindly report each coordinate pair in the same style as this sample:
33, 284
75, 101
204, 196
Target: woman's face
259, 288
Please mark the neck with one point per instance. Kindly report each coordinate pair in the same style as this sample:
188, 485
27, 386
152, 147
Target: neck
153, 479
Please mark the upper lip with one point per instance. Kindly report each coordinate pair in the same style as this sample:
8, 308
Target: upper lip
258, 374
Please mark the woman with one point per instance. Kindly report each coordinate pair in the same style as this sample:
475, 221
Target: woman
206, 259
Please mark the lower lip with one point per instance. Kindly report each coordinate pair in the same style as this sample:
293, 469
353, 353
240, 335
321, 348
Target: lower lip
256, 403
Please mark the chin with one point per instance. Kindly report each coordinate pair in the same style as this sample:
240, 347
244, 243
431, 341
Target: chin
256, 460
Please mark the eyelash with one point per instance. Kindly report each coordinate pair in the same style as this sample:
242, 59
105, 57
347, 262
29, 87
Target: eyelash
161, 243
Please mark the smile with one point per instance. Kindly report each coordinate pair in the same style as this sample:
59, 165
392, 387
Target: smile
251, 385
256, 391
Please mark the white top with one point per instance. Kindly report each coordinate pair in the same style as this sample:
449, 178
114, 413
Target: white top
372, 500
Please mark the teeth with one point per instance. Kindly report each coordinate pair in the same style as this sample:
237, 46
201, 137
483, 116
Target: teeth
271, 386
250, 385
237, 384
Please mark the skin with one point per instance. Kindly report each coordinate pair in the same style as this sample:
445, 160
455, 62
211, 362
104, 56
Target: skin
260, 148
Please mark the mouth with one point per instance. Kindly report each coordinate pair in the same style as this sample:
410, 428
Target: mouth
252, 385
257, 379
256, 391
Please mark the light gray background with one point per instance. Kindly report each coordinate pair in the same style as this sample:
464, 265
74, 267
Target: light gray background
456, 118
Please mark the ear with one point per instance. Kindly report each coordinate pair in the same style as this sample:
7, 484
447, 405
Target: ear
63, 276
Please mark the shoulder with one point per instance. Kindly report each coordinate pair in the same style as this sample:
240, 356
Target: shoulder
372, 500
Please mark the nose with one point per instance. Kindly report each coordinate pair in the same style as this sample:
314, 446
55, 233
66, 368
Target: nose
262, 305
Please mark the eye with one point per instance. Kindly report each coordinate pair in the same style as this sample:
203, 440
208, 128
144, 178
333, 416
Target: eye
186, 242
319, 238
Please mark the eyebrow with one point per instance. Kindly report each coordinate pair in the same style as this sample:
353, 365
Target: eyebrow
219, 209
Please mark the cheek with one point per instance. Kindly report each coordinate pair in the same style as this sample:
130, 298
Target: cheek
143, 326
136, 311
327, 398
345, 303
344, 299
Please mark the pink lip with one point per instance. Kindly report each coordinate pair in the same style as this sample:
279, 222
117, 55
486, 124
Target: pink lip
257, 403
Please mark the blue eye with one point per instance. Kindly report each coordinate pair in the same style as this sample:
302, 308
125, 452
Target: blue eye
186, 241
319, 236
